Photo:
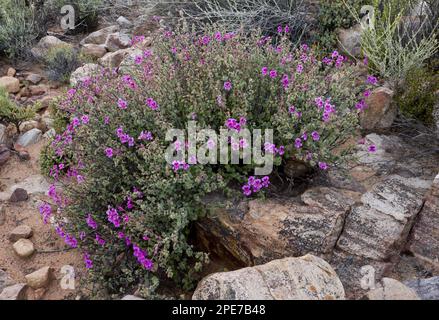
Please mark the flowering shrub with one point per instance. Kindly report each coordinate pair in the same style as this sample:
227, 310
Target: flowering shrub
124, 205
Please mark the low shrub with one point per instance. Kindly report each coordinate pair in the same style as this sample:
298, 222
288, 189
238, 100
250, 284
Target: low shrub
61, 61
11, 113
332, 16
418, 96
21, 24
130, 211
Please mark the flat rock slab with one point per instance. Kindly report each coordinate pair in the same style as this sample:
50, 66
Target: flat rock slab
257, 231
426, 289
30, 137
304, 278
379, 228
15, 292
424, 239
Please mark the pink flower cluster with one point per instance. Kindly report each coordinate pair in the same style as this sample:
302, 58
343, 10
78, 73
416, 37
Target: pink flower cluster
254, 185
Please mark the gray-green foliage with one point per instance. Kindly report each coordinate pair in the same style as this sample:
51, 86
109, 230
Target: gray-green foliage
20, 26
395, 44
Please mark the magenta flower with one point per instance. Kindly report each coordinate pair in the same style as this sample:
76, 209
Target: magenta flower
109, 152
273, 74
372, 80
218, 36
367, 93
298, 143
299, 68
323, 165
88, 262
122, 104
246, 189
227, 86
138, 60
264, 71
315, 136
280, 29
85, 119
91, 223
372, 148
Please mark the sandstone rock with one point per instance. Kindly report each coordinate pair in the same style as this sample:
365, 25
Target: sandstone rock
100, 36
358, 274
261, 231
426, 289
11, 84
44, 45
350, 40
117, 41
391, 289
31, 137
38, 90
381, 111
124, 23
131, 297
304, 278
86, 71
20, 232
379, 228
15, 292
424, 238
5, 280
94, 50
11, 72
33, 78
114, 59
28, 125
19, 195
40, 278
145, 25
24, 248
5, 154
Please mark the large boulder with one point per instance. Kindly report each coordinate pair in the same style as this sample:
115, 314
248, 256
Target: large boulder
116, 41
260, 231
11, 84
424, 239
46, 43
391, 289
426, 289
100, 36
30, 137
94, 50
381, 111
114, 59
350, 40
304, 278
83, 73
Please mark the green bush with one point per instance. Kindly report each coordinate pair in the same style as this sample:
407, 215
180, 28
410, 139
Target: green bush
21, 25
11, 113
418, 96
333, 15
61, 61
130, 211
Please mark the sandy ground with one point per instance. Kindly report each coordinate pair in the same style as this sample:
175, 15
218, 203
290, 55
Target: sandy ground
50, 249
